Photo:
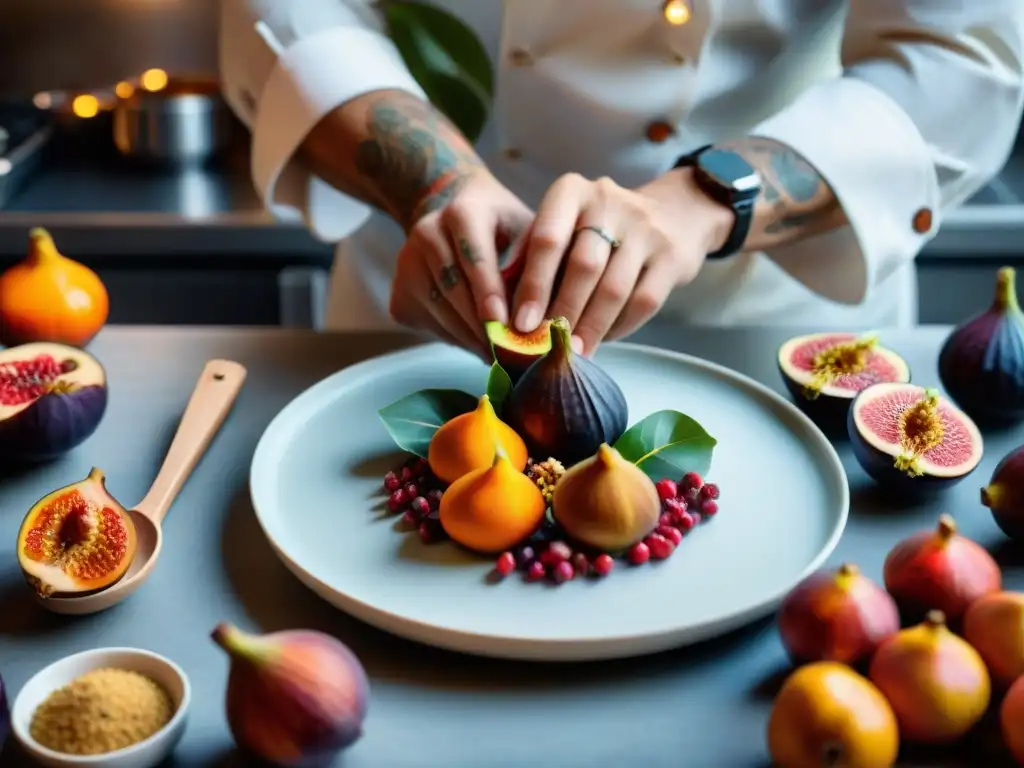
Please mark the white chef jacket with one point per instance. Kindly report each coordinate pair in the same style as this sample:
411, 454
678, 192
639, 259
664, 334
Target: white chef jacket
906, 107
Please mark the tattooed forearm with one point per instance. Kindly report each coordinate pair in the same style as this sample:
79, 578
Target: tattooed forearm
795, 201
392, 150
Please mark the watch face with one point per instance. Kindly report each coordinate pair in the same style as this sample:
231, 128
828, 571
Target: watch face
731, 171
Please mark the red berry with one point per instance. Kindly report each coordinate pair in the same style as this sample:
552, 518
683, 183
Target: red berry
397, 500
639, 553
603, 565
667, 518
412, 518
420, 506
535, 571
407, 474
562, 572
580, 564
428, 532
524, 555
557, 552
674, 507
671, 533
505, 564
434, 498
691, 497
659, 546
411, 491
420, 467
391, 482
667, 489
691, 480
709, 491
686, 522
697, 518
709, 508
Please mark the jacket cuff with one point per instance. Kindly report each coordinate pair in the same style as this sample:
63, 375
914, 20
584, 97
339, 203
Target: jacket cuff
311, 78
878, 165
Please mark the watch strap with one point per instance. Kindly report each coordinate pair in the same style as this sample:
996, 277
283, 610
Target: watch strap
742, 208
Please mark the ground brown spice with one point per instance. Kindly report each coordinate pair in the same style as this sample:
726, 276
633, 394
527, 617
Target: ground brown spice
101, 711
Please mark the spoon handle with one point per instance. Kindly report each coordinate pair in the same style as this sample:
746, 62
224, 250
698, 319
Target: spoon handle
210, 403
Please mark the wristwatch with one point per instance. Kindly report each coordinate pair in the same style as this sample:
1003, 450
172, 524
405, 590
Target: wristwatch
727, 178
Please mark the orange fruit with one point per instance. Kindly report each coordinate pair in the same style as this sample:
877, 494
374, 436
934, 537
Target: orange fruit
469, 442
826, 714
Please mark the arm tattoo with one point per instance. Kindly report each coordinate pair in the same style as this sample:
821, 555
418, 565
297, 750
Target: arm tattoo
412, 158
795, 201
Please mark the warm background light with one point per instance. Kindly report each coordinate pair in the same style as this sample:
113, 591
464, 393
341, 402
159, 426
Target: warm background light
124, 90
85, 105
153, 80
677, 12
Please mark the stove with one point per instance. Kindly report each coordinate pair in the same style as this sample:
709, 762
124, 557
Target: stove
25, 132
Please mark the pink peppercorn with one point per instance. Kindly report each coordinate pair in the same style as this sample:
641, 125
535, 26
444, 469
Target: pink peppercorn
505, 564
659, 546
667, 489
603, 565
709, 508
535, 571
709, 491
562, 572
639, 553
671, 533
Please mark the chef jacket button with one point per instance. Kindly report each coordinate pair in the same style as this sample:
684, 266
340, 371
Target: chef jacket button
677, 12
923, 221
659, 131
520, 57
511, 153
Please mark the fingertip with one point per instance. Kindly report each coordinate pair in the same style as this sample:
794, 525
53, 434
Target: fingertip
495, 309
577, 344
528, 317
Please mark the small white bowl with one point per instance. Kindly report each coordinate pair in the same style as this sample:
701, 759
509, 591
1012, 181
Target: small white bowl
145, 754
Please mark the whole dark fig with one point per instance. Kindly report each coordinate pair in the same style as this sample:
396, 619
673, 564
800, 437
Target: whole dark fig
565, 405
1004, 494
981, 364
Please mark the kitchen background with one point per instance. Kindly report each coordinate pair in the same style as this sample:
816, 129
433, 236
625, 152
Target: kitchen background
190, 244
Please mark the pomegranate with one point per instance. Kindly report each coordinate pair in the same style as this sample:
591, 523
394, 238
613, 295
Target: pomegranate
1011, 720
994, 625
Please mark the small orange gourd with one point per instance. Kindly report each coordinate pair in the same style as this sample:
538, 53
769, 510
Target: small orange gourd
49, 297
468, 442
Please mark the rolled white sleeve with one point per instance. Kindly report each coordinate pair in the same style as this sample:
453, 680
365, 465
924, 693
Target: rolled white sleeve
284, 66
926, 112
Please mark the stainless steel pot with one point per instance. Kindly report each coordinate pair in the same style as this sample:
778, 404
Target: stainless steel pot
186, 122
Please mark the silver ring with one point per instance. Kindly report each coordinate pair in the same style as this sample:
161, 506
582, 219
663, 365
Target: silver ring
604, 234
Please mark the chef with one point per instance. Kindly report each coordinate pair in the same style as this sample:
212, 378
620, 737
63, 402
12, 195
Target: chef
713, 162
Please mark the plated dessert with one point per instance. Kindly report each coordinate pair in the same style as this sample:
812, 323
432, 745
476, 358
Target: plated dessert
542, 472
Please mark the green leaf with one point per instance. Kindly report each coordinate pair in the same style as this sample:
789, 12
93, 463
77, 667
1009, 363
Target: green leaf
413, 420
446, 58
667, 444
499, 385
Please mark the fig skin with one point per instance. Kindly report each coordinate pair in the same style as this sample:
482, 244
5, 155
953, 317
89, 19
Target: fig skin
295, 698
93, 518
836, 615
1004, 495
490, 510
514, 351
936, 682
606, 502
940, 570
881, 466
829, 411
1011, 720
994, 625
467, 443
981, 364
828, 715
61, 419
565, 405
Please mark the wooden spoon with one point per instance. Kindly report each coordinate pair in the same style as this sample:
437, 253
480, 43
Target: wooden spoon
210, 403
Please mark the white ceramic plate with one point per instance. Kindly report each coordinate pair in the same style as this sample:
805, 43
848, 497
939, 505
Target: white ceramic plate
316, 483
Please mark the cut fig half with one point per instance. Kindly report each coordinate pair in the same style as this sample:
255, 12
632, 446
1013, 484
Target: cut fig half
913, 438
52, 397
824, 372
515, 351
76, 540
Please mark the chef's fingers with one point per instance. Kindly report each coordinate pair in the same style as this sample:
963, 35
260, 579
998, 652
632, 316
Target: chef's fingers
548, 242
473, 236
655, 283
448, 275
612, 293
584, 266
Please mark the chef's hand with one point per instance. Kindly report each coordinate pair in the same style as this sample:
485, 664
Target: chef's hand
663, 230
447, 280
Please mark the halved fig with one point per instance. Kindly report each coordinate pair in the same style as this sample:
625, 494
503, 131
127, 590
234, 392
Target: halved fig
913, 438
515, 351
77, 539
824, 372
52, 397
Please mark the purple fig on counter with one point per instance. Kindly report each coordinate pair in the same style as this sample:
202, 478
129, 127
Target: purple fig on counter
294, 698
981, 364
1004, 494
